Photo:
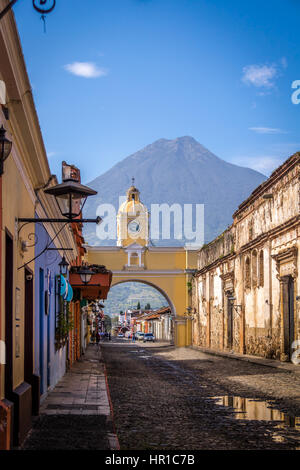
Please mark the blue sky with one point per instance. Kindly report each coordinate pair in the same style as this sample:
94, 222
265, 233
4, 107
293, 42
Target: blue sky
111, 76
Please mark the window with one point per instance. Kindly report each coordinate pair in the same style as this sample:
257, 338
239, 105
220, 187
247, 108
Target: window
261, 268
247, 273
211, 286
204, 286
254, 268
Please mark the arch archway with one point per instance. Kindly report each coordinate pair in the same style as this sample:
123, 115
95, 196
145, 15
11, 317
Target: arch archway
159, 319
151, 284
166, 269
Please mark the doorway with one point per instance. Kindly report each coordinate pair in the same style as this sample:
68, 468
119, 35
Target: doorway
41, 311
28, 328
9, 314
288, 316
229, 324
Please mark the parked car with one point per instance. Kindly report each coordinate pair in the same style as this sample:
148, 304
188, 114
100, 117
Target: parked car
120, 335
139, 335
149, 337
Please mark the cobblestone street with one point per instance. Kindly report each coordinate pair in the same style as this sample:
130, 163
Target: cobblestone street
167, 398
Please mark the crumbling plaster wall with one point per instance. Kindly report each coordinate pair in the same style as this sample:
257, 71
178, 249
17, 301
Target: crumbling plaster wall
260, 226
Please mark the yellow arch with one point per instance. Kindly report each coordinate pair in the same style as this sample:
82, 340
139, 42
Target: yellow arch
167, 269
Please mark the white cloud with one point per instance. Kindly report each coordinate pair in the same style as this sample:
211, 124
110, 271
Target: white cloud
260, 75
271, 158
283, 62
267, 130
265, 164
85, 69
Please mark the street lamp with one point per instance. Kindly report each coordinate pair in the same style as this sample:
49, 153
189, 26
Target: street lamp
5, 148
63, 266
70, 197
85, 274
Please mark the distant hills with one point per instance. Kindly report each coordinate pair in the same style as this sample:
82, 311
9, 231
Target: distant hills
127, 295
176, 171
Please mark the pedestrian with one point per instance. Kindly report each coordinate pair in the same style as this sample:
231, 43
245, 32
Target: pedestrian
133, 337
98, 337
93, 337
109, 336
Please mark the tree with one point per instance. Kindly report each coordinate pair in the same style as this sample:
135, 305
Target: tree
107, 323
138, 307
148, 306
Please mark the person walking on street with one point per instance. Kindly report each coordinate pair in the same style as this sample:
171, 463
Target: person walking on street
98, 340
93, 337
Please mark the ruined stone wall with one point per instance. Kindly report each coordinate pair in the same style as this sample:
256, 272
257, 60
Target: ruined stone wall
196, 321
263, 215
297, 288
200, 317
216, 309
217, 249
245, 264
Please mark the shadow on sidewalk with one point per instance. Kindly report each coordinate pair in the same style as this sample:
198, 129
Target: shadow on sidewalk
76, 413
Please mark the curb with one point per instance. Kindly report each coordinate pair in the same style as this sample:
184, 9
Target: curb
112, 437
285, 367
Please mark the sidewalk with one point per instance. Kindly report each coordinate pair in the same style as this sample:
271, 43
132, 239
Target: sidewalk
77, 413
285, 366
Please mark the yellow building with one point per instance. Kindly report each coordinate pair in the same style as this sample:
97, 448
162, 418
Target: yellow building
26, 173
168, 269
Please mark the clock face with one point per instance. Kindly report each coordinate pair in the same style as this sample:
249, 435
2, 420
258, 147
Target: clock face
134, 227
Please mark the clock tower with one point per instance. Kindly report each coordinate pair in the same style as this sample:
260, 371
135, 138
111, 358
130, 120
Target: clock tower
133, 220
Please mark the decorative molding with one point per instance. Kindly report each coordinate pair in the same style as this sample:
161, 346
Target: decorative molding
102, 248
167, 249
228, 281
133, 267
162, 273
291, 223
286, 263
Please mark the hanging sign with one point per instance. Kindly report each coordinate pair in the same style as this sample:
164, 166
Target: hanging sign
69, 294
63, 285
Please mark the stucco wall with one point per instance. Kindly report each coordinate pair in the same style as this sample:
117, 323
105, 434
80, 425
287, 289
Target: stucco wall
45, 324
16, 202
249, 258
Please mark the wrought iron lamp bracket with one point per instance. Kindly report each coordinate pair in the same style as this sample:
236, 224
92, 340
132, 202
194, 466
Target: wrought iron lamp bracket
238, 309
66, 221
41, 6
26, 221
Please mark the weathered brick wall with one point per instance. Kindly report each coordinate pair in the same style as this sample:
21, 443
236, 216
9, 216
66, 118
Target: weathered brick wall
262, 342
216, 328
200, 317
